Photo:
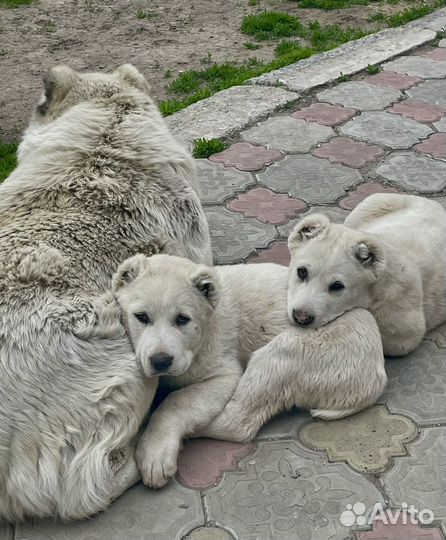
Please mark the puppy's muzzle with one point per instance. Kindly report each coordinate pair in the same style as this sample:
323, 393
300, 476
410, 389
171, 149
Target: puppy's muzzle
302, 318
161, 362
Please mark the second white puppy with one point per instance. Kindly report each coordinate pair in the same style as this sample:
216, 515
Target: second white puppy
198, 326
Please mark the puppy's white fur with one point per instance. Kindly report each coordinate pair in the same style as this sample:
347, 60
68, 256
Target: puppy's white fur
233, 311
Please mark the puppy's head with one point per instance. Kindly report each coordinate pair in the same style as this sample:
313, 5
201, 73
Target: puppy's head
167, 303
332, 270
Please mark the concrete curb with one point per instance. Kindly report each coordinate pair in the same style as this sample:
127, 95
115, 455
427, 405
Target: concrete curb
229, 111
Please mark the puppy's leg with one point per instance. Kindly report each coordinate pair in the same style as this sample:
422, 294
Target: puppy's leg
126, 473
182, 413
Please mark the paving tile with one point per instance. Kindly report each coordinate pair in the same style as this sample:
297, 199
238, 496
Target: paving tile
209, 533
277, 252
414, 172
426, 68
435, 54
202, 461
418, 110
266, 206
348, 152
442, 42
362, 192
235, 237
417, 384
360, 95
367, 441
246, 157
441, 125
325, 114
335, 214
393, 80
168, 514
431, 91
286, 491
217, 183
285, 425
439, 334
312, 179
288, 134
391, 130
399, 528
420, 479
435, 146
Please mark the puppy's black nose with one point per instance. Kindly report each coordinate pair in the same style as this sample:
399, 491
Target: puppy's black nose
302, 318
161, 362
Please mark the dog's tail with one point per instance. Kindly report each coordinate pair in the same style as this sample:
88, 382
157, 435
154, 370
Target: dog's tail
333, 414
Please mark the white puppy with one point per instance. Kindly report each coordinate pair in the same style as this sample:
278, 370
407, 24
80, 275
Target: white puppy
198, 326
388, 257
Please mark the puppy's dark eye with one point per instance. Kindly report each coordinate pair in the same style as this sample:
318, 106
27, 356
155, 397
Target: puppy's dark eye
336, 286
142, 317
182, 320
302, 272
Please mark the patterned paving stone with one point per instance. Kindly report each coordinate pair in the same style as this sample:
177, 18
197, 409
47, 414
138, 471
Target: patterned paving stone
436, 54
234, 237
402, 529
277, 252
426, 68
246, 157
168, 514
325, 114
435, 146
284, 425
417, 384
336, 215
203, 461
312, 179
209, 533
366, 441
420, 479
439, 334
441, 125
418, 110
360, 95
431, 91
393, 80
288, 134
351, 153
267, 206
285, 491
362, 192
415, 172
391, 130
217, 183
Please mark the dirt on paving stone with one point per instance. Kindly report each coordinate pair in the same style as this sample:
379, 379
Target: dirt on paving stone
173, 36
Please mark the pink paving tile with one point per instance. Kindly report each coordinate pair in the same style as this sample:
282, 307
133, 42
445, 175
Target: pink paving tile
246, 157
203, 461
403, 529
435, 146
362, 192
418, 110
348, 152
267, 206
393, 80
325, 114
277, 252
436, 54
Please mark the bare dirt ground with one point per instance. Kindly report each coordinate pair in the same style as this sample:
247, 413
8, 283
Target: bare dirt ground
96, 35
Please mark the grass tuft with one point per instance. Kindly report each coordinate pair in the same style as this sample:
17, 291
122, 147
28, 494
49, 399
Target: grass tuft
252, 46
332, 4
373, 70
410, 14
271, 25
203, 148
15, 3
8, 159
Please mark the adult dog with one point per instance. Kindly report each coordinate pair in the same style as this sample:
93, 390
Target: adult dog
99, 179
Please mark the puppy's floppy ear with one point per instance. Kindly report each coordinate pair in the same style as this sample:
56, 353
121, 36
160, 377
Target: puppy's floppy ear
57, 83
369, 253
307, 229
132, 76
206, 284
128, 271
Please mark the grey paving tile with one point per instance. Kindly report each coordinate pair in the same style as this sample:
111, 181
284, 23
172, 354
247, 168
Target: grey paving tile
284, 425
360, 95
217, 183
439, 334
419, 66
414, 172
387, 129
140, 514
417, 383
336, 215
209, 533
420, 479
441, 125
285, 491
430, 91
235, 237
442, 42
288, 134
315, 180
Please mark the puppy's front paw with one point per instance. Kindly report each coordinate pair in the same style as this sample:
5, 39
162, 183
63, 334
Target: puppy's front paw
157, 461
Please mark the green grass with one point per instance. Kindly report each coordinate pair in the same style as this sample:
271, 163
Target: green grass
271, 25
252, 46
15, 3
146, 14
410, 14
203, 148
332, 4
378, 17
343, 78
373, 70
8, 159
